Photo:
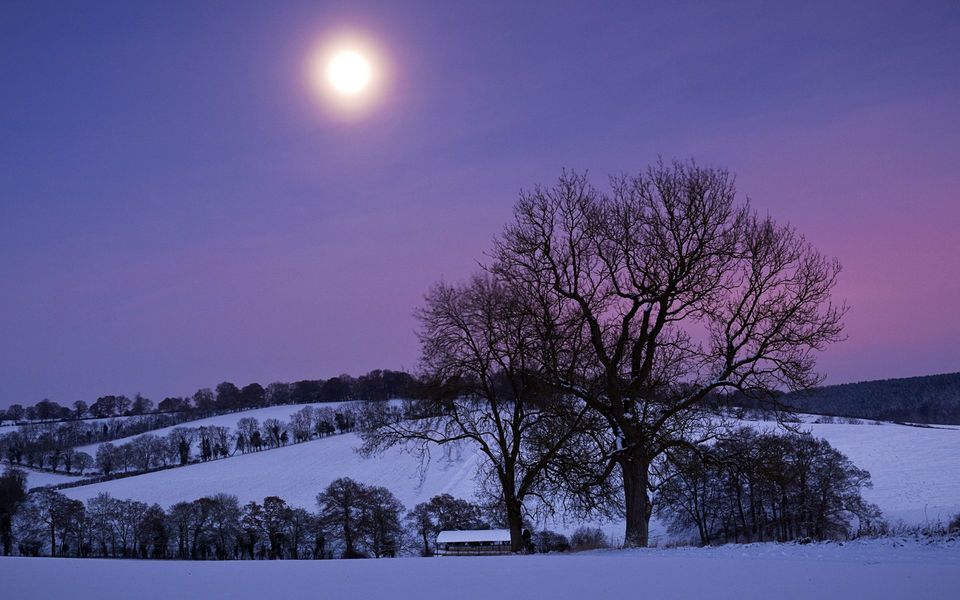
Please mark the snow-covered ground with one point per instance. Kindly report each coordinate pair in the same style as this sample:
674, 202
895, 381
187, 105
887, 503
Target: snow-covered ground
42, 478
88, 421
296, 473
915, 470
281, 412
876, 569
916, 474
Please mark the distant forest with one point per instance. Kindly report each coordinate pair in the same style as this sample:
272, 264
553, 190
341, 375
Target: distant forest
379, 384
928, 399
931, 399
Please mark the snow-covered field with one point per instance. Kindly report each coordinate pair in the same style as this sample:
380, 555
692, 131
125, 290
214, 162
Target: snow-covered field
296, 473
282, 412
41, 478
89, 421
876, 569
916, 474
916, 470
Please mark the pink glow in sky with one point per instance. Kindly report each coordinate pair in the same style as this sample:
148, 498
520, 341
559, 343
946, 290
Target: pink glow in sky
177, 210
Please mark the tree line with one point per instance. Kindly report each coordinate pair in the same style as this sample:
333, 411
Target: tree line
378, 384
211, 442
928, 399
181, 446
49, 445
351, 520
757, 486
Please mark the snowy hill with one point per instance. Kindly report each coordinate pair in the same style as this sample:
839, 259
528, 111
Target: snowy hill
915, 473
42, 478
281, 412
926, 399
296, 473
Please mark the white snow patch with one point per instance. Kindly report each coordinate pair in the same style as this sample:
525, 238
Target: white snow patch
915, 470
296, 473
876, 569
42, 478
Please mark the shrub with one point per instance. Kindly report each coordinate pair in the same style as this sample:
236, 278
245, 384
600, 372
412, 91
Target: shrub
588, 538
550, 541
954, 526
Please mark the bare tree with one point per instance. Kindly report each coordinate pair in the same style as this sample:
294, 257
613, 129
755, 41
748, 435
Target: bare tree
182, 439
225, 523
247, 428
58, 513
106, 458
251, 528
301, 524
302, 424
274, 431
145, 451
671, 291
324, 420
220, 438
478, 346
276, 518
13, 493
381, 524
83, 461
342, 510
752, 486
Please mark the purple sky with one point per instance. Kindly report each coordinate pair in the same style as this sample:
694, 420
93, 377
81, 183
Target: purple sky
177, 209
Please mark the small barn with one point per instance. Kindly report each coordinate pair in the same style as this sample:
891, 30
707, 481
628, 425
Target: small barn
473, 542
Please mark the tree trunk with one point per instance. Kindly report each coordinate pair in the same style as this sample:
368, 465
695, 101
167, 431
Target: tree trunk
6, 532
636, 475
426, 543
515, 523
349, 550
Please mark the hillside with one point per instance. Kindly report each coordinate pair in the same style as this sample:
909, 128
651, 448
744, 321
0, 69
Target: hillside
927, 399
37, 478
229, 420
915, 473
296, 473
916, 476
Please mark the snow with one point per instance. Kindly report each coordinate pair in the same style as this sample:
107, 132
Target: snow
876, 569
42, 478
474, 535
296, 473
915, 470
916, 474
85, 421
281, 412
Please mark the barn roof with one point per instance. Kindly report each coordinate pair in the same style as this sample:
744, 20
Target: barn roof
474, 535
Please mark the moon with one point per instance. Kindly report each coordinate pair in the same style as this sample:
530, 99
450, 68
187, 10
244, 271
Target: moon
349, 72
